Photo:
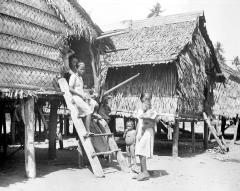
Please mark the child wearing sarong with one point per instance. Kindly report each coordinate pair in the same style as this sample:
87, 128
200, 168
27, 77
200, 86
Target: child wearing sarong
83, 101
145, 136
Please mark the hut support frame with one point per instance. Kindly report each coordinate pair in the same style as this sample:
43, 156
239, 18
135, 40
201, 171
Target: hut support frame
28, 116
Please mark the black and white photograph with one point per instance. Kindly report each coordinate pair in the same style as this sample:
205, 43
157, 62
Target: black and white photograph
119, 95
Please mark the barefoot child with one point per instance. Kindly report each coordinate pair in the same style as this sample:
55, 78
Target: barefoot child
83, 101
130, 139
145, 136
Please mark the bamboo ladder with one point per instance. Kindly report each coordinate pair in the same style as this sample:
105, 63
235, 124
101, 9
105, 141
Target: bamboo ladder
86, 141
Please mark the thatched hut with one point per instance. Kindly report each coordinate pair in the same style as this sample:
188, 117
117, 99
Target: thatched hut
176, 59
177, 63
227, 95
32, 34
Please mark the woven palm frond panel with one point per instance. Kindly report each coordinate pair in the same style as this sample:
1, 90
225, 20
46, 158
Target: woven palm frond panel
38, 4
26, 30
18, 44
28, 60
13, 74
33, 15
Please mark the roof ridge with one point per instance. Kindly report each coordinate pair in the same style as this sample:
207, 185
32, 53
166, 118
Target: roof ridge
168, 19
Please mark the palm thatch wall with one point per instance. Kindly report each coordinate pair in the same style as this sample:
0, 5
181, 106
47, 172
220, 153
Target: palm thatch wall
176, 62
227, 95
31, 35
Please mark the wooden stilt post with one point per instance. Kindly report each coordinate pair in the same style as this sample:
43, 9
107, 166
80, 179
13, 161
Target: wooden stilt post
205, 136
28, 118
60, 132
52, 129
235, 131
175, 139
39, 123
193, 136
66, 125
183, 125
13, 128
4, 133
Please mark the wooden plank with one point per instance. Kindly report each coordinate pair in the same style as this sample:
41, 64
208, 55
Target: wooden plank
193, 136
175, 139
52, 129
81, 130
113, 145
29, 150
213, 131
106, 152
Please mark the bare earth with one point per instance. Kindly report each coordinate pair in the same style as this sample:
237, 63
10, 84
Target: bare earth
203, 171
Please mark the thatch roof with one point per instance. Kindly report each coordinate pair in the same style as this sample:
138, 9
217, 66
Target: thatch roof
154, 40
227, 95
178, 41
31, 35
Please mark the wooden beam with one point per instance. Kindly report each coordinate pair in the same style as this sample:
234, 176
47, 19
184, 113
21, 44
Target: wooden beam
175, 139
111, 34
205, 136
193, 136
29, 150
52, 126
213, 131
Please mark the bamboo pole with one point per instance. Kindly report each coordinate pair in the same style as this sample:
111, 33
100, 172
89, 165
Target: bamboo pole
175, 139
29, 150
111, 34
121, 84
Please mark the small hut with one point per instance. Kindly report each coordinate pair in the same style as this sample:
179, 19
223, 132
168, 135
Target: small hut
32, 34
227, 95
177, 64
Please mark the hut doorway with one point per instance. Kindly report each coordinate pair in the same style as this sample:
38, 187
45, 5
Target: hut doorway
82, 52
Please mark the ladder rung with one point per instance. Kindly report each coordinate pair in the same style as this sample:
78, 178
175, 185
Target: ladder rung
105, 153
98, 135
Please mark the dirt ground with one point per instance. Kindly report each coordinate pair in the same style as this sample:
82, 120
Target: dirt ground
207, 170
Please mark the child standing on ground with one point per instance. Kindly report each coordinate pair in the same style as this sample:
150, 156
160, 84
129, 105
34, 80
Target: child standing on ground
82, 99
146, 129
130, 139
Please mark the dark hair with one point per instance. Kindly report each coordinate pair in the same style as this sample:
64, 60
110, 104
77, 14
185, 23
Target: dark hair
70, 62
78, 64
145, 96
